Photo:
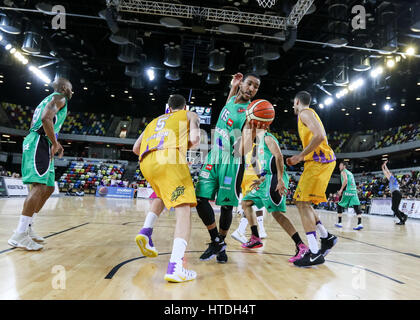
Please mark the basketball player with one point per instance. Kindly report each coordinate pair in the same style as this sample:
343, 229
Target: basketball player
223, 172
250, 176
162, 148
349, 198
396, 195
39, 148
319, 165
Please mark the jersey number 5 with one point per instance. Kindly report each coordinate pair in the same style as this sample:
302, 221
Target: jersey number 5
160, 124
225, 115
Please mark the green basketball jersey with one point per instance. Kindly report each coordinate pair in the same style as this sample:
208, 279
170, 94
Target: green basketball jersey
265, 158
351, 184
228, 129
36, 124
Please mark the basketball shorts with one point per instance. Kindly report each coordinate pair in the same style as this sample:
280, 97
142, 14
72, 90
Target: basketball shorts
37, 165
314, 182
349, 200
221, 180
171, 182
266, 195
247, 181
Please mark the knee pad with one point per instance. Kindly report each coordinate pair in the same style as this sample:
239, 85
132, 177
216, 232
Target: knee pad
205, 211
225, 217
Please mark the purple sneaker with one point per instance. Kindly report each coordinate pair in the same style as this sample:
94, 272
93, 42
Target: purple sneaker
145, 243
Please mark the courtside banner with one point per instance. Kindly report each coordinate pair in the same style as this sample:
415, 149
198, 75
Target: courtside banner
115, 192
383, 207
144, 193
15, 187
3, 191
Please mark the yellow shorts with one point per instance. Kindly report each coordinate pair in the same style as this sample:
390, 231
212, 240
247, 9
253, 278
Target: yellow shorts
247, 181
171, 182
314, 182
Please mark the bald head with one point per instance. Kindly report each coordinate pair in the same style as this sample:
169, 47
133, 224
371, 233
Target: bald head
63, 86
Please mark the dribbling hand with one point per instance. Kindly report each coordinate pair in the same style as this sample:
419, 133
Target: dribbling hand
57, 148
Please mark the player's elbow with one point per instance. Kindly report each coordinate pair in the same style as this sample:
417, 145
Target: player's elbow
319, 138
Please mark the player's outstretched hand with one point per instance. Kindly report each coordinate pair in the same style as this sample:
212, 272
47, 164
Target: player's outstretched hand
294, 160
237, 78
57, 148
281, 188
256, 183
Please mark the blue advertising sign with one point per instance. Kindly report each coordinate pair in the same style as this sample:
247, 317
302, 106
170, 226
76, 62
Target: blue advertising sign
114, 192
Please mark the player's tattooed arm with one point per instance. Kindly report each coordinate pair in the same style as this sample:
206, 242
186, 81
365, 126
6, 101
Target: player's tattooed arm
137, 144
194, 137
50, 110
276, 152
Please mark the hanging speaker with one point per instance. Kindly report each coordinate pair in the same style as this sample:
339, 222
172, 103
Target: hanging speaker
217, 60
128, 53
32, 42
212, 78
137, 82
173, 56
259, 66
172, 74
10, 25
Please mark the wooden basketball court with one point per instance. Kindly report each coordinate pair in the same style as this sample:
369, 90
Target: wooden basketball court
90, 253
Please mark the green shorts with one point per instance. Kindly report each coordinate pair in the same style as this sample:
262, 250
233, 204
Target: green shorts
266, 195
349, 200
221, 180
37, 165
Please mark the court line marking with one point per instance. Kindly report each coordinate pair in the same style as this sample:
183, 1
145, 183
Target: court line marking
51, 235
115, 269
374, 245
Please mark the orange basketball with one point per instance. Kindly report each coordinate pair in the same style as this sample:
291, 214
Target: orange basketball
260, 112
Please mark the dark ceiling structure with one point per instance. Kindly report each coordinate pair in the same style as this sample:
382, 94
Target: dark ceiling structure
110, 48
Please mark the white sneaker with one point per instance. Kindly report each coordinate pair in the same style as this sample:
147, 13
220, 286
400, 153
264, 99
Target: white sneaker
238, 236
23, 240
34, 236
261, 231
177, 273
263, 234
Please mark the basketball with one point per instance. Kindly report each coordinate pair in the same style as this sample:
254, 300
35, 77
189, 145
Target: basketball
261, 113
103, 191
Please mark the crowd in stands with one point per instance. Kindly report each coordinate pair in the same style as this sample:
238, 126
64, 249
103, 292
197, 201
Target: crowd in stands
88, 176
402, 134
10, 174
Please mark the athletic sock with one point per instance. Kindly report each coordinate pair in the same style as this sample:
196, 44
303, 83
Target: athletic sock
214, 234
31, 224
296, 238
24, 222
242, 225
222, 238
260, 219
150, 220
313, 244
321, 229
339, 219
254, 230
178, 250
359, 220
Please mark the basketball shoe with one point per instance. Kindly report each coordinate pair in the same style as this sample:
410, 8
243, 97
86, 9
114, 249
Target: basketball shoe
23, 240
238, 236
327, 244
145, 243
212, 251
253, 243
177, 273
34, 236
338, 225
222, 256
310, 259
300, 252
358, 227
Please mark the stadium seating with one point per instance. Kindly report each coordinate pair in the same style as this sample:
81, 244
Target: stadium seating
87, 176
398, 135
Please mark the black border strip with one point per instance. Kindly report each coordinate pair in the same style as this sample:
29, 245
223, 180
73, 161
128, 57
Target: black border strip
51, 235
115, 269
